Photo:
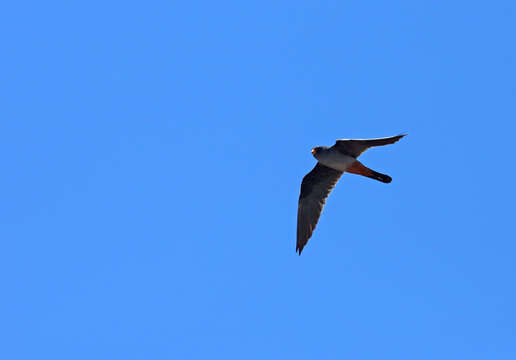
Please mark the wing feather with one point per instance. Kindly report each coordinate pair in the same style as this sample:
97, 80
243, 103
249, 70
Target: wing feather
355, 147
315, 188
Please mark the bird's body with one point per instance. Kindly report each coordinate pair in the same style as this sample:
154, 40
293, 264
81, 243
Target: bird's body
317, 184
333, 158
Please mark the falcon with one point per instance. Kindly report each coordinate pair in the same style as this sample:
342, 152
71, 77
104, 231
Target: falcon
332, 162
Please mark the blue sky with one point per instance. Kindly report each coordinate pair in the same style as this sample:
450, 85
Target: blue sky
152, 155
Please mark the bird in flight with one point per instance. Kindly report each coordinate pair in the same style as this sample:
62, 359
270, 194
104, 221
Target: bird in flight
318, 183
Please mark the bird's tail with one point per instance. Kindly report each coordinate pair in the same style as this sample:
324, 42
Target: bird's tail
358, 168
380, 177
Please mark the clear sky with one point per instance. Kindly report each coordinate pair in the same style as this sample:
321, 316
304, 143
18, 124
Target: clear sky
151, 159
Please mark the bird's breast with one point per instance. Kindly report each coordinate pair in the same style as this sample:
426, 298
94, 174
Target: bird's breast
335, 160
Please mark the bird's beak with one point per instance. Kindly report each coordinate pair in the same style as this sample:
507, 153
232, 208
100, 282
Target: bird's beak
314, 151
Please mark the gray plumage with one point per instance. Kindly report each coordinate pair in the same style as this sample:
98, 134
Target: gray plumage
318, 183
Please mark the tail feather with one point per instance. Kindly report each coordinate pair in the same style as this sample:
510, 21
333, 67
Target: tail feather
358, 168
380, 177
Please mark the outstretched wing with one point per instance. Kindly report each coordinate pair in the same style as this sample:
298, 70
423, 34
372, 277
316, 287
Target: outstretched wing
315, 188
355, 147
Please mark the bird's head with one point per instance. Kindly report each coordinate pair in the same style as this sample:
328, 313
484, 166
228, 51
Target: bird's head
316, 151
